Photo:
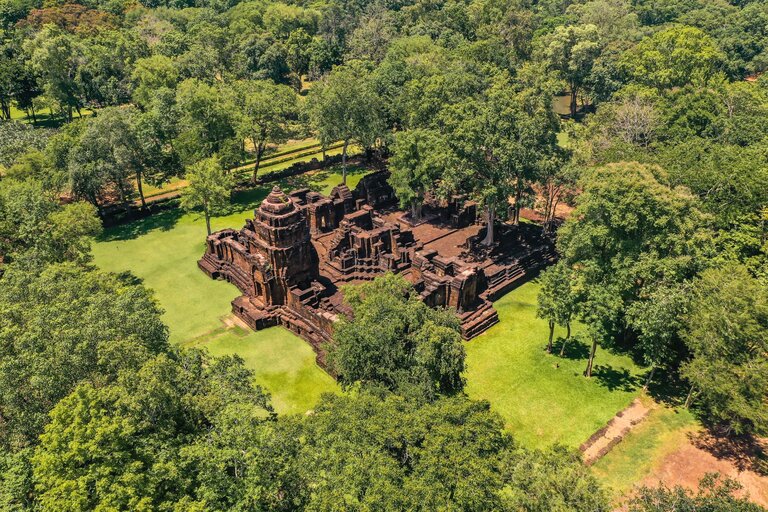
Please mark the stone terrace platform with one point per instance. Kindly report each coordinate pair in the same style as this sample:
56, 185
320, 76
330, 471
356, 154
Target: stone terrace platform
291, 260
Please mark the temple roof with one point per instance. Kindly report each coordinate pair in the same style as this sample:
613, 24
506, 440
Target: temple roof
277, 202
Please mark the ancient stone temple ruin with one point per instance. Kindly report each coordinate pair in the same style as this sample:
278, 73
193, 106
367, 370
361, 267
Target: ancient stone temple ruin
290, 260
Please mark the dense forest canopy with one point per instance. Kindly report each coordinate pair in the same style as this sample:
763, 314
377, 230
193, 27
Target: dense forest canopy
648, 117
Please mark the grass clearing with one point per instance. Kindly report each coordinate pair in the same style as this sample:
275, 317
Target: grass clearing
162, 251
543, 398
283, 363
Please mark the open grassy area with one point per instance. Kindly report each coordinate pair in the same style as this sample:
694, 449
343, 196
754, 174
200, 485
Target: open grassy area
162, 251
283, 363
544, 398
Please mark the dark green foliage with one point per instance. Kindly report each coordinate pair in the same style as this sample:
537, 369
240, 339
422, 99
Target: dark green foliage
124, 445
714, 495
726, 329
397, 341
36, 229
628, 233
63, 326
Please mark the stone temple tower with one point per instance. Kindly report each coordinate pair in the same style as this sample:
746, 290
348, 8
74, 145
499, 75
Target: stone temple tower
279, 245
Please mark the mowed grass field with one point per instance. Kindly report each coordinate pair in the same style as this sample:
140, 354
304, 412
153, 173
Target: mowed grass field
544, 398
162, 251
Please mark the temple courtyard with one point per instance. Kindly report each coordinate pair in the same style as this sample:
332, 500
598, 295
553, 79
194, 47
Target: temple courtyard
543, 398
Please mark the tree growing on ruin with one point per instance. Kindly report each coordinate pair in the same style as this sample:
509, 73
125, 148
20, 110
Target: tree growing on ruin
503, 138
419, 158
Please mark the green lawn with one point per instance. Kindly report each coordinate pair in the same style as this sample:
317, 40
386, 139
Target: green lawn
283, 363
544, 399
162, 251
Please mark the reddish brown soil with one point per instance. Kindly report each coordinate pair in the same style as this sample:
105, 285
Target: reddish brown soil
703, 453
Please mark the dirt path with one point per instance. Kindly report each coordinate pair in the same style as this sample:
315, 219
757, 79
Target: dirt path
701, 454
614, 431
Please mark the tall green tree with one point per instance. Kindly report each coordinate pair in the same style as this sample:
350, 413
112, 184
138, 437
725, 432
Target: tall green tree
209, 188
37, 229
557, 300
503, 138
344, 106
658, 321
396, 340
62, 326
419, 158
150, 74
207, 122
123, 445
266, 115
627, 233
672, 58
56, 57
571, 51
726, 329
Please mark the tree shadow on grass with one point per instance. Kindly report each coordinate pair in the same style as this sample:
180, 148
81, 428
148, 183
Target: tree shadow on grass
616, 379
746, 452
129, 278
574, 348
164, 220
668, 388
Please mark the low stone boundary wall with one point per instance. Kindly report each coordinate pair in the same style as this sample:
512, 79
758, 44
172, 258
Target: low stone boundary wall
116, 216
594, 448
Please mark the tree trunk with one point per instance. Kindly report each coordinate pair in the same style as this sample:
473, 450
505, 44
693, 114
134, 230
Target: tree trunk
259, 153
491, 218
573, 101
416, 209
207, 219
141, 191
689, 398
34, 115
650, 376
588, 371
567, 337
518, 197
551, 335
344, 162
